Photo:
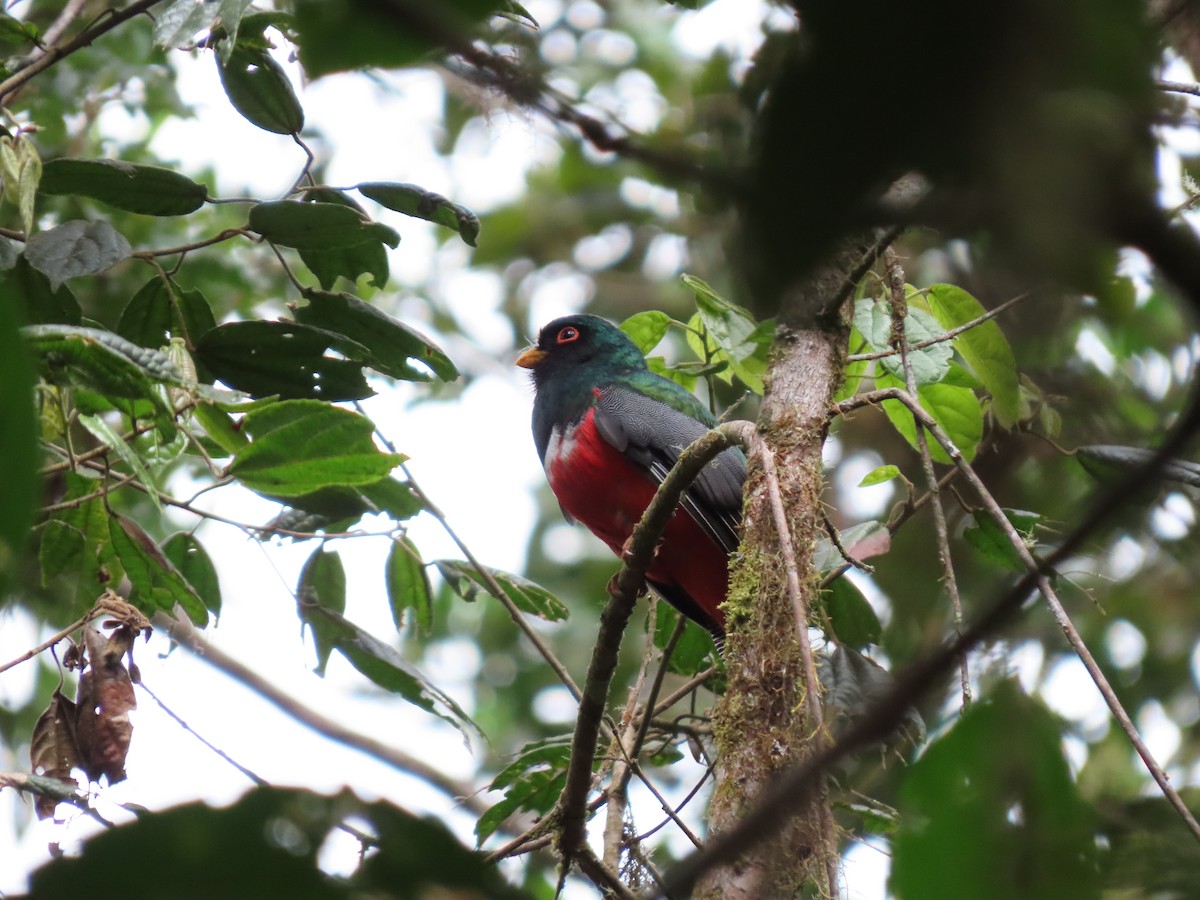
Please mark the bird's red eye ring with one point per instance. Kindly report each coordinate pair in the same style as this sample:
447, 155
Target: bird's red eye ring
567, 334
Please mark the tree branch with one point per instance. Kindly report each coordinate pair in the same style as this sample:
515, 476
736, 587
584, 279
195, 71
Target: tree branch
624, 590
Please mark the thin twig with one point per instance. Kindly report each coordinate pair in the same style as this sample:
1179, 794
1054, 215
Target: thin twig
1040, 571
81, 40
183, 632
894, 275
250, 774
497, 592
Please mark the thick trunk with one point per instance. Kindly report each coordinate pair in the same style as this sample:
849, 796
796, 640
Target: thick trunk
763, 723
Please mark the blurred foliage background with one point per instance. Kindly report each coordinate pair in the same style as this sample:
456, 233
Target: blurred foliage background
1024, 205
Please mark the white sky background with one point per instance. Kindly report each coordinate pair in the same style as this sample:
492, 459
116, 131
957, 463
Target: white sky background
371, 134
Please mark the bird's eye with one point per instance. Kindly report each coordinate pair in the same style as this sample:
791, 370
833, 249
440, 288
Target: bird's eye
566, 335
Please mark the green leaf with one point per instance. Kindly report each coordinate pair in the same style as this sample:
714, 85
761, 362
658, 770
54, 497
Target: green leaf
157, 584
101, 361
347, 262
387, 668
989, 811
1109, 463
285, 359
41, 303
180, 21
413, 200
21, 171
75, 549
192, 561
149, 190
158, 311
219, 425
880, 475
316, 226
19, 454
854, 621
646, 329
531, 783
984, 347
873, 319
300, 446
408, 585
357, 34
989, 539
956, 409
389, 343
695, 650
732, 335
146, 318
529, 597
322, 586
260, 90
76, 248
107, 436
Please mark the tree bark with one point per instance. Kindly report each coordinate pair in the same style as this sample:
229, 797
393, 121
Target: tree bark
763, 723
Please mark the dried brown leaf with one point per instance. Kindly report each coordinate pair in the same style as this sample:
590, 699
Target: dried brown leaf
105, 699
53, 750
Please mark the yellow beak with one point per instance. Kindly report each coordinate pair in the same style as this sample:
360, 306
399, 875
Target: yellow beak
531, 358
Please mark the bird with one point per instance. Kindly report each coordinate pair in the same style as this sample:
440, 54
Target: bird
608, 430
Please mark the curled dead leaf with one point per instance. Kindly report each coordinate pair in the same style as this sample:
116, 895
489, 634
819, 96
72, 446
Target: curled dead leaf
105, 699
53, 750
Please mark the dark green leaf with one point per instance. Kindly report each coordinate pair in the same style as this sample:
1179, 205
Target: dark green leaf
157, 311
260, 90
1109, 463
149, 190
984, 347
528, 597
146, 318
157, 584
854, 621
695, 650
317, 226
416, 201
75, 550
387, 668
42, 304
99, 360
408, 585
989, 811
368, 257
15, 32
989, 539
282, 358
356, 34
322, 585
389, 343
202, 851
192, 561
18, 445
76, 248
300, 446
647, 329
387, 496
